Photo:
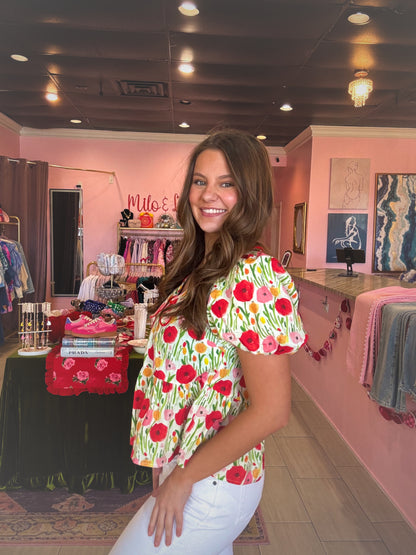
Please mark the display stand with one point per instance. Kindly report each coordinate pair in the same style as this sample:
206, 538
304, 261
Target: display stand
34, 327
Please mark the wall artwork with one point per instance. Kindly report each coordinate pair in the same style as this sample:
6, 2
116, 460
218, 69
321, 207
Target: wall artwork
395, 223
349, 185
345, 230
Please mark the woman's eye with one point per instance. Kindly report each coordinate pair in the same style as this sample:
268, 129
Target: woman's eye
227, 184
199, 182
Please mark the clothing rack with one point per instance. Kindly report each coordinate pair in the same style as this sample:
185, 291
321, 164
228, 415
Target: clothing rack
148, 233
13, 220
130, 264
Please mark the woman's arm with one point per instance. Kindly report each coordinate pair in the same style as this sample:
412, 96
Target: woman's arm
268, 384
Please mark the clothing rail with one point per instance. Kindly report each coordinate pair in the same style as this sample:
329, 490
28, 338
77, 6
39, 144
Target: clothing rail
131, 264
148, 233
16, 223
31, 162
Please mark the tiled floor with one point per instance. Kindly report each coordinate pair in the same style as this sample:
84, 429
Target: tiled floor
318, 499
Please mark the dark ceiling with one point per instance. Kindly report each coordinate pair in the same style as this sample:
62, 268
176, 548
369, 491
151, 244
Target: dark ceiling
115, 64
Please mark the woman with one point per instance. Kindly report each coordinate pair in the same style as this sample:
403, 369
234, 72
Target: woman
215, 381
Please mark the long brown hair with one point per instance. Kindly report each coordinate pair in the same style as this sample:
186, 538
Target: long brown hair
249, 164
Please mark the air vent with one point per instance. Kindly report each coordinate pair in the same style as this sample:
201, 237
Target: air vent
150, 89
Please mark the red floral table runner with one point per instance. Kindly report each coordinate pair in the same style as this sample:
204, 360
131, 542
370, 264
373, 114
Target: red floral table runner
72, 376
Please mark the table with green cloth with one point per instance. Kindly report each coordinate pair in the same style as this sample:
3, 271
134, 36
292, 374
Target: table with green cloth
79, 441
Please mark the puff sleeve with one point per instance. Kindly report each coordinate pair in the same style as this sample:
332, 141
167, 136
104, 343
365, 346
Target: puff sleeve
255, 307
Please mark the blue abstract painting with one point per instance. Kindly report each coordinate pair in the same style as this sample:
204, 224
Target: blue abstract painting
395, 223
345, 230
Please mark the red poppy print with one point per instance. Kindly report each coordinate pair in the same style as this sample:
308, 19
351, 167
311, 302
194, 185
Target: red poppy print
282, 349
166, 387
250, 339
159, 374
194, 335
236, 475
181, 415
283, 306
170, 334
138, 399
277, 267
151, 353
223, 387
213, 419
219, 308
244, 290
144, 408
158, 432
185, 373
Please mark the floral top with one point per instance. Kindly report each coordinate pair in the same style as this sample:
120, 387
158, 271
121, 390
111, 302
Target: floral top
190, 387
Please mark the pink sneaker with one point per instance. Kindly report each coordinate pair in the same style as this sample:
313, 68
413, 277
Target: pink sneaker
71, 325
97, 328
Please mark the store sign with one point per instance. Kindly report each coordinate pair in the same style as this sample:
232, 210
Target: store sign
148, 204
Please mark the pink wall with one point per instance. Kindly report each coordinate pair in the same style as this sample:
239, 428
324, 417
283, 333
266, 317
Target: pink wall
388, 450
292, 187
387, 155
9, 143
153, 170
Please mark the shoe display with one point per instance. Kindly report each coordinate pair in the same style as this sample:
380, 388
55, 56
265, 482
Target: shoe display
97, 328
71, 325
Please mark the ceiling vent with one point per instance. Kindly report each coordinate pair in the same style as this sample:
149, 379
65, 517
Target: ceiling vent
149, 89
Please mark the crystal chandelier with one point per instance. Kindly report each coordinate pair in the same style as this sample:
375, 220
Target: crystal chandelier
360, 88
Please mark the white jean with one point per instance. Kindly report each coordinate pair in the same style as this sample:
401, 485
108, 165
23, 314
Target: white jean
215, 515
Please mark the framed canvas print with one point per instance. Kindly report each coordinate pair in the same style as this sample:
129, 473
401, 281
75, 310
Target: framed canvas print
395, 222
349, 184
345, 230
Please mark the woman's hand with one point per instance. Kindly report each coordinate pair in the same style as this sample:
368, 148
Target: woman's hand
171, 498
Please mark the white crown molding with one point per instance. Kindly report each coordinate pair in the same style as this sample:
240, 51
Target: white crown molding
127, 136
111, 135
8, 123
363, 132
349, 131
298, 141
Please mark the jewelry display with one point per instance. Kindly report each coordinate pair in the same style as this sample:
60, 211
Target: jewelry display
34, 327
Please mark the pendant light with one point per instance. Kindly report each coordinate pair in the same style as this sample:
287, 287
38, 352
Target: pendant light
360, 88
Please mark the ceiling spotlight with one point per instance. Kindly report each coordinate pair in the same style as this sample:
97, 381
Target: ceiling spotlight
261, 137
184, 125
359, 18
286, 107
19, 58
76, 121
186, 68
360, 88
52, 97
185, 101
188, 8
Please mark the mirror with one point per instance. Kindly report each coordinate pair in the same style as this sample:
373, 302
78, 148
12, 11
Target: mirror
299, 228
66, 241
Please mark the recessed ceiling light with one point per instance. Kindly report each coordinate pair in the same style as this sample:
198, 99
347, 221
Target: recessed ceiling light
359, 18
184, 125
286, 107
186, 68
185, 102
76, 121
188, 8
52, 97
261, 137
19, 58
